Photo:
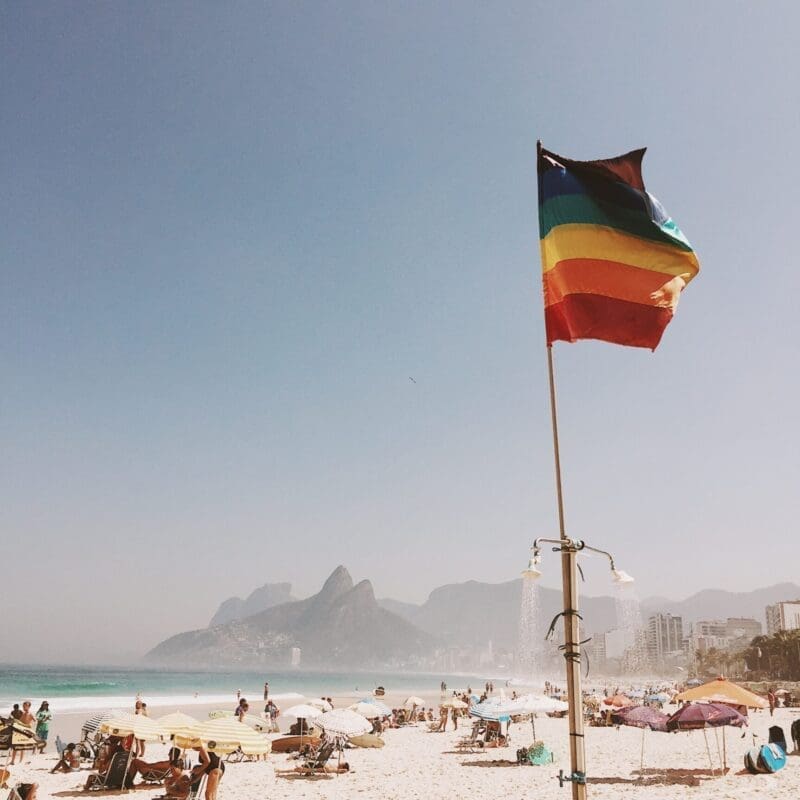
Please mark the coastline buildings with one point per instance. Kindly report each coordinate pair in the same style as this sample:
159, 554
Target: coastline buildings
783, 616
665, 644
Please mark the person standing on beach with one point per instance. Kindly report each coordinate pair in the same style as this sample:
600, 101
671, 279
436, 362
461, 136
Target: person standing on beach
43, 717
266, 691
139, 708
771, 701
16, 712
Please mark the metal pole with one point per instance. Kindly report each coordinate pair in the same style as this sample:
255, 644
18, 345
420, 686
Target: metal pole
572, 653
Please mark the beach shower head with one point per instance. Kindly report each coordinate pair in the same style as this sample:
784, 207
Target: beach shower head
532, 571
620, 576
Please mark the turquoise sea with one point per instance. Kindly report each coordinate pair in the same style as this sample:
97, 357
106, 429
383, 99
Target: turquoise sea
71, 688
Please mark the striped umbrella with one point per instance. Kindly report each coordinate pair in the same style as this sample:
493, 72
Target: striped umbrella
137, 725
93, 723
225, 735
343, 722
176, 723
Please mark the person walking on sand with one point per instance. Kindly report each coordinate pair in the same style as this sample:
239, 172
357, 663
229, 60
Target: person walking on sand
43, 717
266, 691
771, 701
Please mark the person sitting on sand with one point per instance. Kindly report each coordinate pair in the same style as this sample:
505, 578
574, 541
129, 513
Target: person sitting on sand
70, 760
331, 769
139, 766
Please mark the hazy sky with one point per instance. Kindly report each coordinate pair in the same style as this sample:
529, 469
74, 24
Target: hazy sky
230, 234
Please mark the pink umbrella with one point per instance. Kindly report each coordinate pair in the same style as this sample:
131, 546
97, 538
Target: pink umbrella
699, 716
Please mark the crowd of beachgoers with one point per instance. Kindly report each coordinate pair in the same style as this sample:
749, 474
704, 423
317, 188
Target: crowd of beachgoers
235, 751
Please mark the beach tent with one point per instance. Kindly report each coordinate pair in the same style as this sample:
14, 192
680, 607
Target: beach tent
722, 691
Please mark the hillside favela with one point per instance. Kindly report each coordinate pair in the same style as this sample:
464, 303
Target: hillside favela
399, 400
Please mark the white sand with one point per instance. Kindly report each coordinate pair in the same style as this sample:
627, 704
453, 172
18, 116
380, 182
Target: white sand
418, 764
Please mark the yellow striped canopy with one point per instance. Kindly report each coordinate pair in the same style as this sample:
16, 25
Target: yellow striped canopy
224, 735
176, 723
142, 727
722, 691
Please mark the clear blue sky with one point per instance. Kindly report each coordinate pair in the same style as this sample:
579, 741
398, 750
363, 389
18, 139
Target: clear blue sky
231, 233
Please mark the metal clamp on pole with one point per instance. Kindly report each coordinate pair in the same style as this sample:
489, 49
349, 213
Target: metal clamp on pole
575, 777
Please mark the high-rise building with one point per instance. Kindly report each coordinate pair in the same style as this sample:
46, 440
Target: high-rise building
783, 616
664, 637
742, 628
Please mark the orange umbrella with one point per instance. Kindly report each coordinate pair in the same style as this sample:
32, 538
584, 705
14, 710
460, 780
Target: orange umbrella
722, 691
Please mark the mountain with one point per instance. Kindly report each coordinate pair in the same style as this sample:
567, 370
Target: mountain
474, 613
720, 604
342, 626
266, 596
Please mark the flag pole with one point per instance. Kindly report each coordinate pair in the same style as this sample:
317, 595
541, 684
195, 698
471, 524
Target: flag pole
572, 650
569, 585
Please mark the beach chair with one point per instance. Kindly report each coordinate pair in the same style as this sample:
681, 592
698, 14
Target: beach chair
777, 736
196, 789
116, 776
795, 731
473, 742
318, 761
155, 775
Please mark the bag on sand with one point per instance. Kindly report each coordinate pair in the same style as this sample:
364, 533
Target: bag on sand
767, 758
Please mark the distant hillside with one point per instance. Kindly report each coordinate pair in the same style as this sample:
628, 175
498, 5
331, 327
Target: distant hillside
266, 596
474, 612
342, 626
719, 604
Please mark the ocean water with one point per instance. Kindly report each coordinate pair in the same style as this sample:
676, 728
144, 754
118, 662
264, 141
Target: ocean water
69, 688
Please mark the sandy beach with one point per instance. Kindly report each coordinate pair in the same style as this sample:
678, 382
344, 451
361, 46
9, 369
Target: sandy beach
416, 764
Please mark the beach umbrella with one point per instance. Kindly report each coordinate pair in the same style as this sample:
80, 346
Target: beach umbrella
319, 703
94, 722
644, 718
697, 716
641, 717
455, 702
226, 735
660, 697
303, 711
176, 723
343, 722
414, 701
371, 710
137, 725
257, 723
704, 715
14, 736
722, 691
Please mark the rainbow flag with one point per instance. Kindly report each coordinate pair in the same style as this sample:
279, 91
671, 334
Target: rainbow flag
614, 263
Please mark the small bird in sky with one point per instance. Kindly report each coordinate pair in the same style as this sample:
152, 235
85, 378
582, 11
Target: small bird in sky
411, 379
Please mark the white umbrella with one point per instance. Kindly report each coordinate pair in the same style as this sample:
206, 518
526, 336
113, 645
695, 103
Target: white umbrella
343, 722
414, 701
256, 723
371, 710
454, 702
319, 703
302, 711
